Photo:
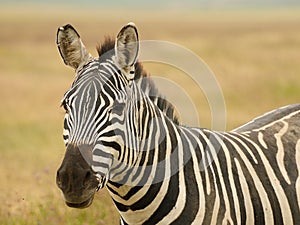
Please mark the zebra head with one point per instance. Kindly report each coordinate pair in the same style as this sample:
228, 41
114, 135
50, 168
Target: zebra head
93, 102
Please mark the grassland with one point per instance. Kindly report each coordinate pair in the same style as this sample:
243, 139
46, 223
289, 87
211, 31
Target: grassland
254, 55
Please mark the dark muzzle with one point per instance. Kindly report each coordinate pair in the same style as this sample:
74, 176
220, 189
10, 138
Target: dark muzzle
76, 178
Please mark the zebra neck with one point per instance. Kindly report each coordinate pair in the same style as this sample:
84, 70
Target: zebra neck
158, 175
155, 149
162, 153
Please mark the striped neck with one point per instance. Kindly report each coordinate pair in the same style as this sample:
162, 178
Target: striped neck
148, 170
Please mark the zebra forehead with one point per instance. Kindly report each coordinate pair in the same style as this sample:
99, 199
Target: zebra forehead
83, 87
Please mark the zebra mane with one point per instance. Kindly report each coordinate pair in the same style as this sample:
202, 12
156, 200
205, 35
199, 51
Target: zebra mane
144, 81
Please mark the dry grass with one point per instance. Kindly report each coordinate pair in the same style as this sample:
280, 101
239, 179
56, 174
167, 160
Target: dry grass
254, 55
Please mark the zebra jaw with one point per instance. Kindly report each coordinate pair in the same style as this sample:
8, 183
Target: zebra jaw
102, 181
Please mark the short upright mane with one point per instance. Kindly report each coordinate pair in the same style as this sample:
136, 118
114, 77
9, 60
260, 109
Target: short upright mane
146, 83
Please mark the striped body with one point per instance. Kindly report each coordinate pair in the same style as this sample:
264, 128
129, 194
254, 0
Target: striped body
248, 177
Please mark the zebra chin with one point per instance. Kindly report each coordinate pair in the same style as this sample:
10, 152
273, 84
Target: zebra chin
85, 204
81, 205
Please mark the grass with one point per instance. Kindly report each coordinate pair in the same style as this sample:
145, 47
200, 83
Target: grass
254, 55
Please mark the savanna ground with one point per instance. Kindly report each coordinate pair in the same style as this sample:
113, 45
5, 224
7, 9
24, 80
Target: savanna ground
254, 55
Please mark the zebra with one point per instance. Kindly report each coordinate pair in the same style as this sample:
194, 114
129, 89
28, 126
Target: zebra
120, 133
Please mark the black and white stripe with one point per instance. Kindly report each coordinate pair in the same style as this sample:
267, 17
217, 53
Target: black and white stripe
214, 178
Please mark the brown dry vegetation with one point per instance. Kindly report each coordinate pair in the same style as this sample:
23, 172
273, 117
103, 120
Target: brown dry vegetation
254, 55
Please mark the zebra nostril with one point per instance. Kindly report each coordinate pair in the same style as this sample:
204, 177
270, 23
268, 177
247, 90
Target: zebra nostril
58, 179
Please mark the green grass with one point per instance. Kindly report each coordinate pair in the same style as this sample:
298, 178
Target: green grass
254, 55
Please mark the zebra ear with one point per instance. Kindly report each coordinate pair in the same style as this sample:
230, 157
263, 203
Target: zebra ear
71, 48
126, 48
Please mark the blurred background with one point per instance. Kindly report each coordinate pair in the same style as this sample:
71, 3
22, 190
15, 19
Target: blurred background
253, 48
